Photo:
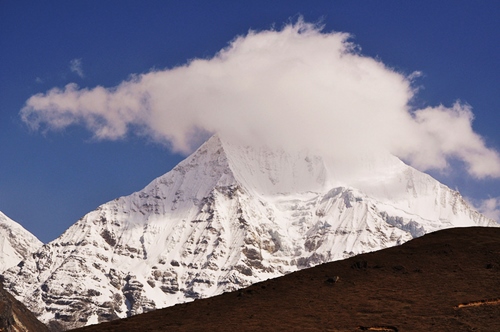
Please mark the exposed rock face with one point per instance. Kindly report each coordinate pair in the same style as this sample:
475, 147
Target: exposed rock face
15, 317
224, 218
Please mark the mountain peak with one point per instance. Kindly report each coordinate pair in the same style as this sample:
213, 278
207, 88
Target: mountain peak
16, 243
224, 218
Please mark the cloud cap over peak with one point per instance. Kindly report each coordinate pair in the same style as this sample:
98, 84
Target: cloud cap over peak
297, 87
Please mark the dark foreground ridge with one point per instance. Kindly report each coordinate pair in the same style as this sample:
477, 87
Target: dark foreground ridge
15, 317
444, 281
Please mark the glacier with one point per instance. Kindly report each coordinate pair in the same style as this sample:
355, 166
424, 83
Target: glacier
224, 218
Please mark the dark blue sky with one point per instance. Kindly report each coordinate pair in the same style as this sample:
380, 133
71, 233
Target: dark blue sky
48, 181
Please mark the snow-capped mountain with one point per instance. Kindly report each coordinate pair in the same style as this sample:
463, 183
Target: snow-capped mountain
16, 243
224, 218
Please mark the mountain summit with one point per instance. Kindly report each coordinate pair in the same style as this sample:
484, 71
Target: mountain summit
224, 218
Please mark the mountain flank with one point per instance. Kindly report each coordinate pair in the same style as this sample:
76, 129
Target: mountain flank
444, 281
15, 317
226, 217
16, 243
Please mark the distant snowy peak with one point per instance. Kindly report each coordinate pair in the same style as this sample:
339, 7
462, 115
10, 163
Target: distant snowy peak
260, 171
16, 243
224, 218
273, 171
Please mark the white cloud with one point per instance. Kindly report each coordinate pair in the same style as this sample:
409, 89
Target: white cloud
75, 66
295, 87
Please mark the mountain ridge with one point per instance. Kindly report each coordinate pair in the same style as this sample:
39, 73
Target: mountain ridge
16, 243
224, 218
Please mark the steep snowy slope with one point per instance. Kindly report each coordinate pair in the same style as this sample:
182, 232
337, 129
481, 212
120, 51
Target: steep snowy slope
16, 243
222, 219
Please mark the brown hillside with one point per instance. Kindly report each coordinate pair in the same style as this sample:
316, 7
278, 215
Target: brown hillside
444, 281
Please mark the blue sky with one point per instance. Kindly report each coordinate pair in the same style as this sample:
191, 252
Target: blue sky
49, 179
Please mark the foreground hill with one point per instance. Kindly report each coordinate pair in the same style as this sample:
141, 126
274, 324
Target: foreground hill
226, 217
443, 281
